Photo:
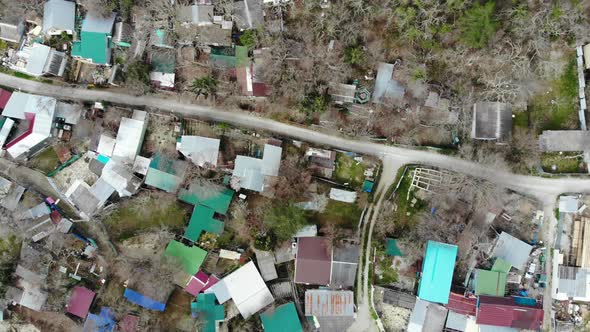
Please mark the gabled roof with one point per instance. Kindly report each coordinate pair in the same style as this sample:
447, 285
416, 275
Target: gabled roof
103, 322
208, 311
200, 150
344, 265
437, 272
329, 303
313, 263
506, 311
386, 88
283, 318
80, 301
190, 258
252, 171
40, 125
461, 304
94, 22
247, 289
12, 29
512, 250
197, 194
130, 137
202, 220
248, 14
564, 140
199, 283
492, 121
162, 180
427, 316
490, 283
59, 15
21, 103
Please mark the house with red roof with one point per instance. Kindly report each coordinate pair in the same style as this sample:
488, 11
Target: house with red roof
461, 304
313, 261
80, 301
514, 312
200, 282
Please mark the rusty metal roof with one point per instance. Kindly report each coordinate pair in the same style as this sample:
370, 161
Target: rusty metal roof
325, 302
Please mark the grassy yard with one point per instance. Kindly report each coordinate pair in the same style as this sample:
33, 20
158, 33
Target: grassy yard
144, 213
345, 215
405, 215
349, 171
568, 162
558, 108
46, 161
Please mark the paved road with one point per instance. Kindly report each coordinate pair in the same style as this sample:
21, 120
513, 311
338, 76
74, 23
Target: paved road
535, 186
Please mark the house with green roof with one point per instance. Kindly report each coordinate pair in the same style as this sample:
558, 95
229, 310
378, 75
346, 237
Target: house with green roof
95, 42
208, 202
165, 173
202, 220
500, 265
283, 318
437, 272
205, 309
190, 258
219, 201
490, 283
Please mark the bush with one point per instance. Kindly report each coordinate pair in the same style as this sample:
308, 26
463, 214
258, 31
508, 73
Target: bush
138, 71
248, 38
477, 25
284, 220
314, 103
354, 55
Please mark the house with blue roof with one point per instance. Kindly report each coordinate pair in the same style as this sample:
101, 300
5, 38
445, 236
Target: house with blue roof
437, 272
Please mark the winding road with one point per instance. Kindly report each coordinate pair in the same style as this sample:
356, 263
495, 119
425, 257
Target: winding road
544, 189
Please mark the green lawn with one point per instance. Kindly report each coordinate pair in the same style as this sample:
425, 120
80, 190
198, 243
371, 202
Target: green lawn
46, 161
349, 171
557, 109
143, 213
521, 119
345, 215
564, 162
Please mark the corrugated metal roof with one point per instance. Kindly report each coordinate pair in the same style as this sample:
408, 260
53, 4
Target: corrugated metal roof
386, 88
200, 150
461, 304
59, 15
427, 317
512, 250
490, 283
437, 272
283, 318
313, 263
266, 264
129, 139
94, 22
80, 301
504, 311
324, 302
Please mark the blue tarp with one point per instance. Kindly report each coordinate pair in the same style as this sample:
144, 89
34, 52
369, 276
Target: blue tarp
103, 159
143, 301
527, 301
104, 322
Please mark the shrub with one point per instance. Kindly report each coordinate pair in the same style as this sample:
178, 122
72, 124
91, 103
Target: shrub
478, 25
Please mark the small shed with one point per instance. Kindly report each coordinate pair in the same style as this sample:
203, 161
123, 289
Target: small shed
492, 121
490, 283
266, 264
143, 301
392, 248
427, 316
103, 322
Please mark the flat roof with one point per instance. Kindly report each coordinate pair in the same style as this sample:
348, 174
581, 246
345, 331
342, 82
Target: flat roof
512, 250
490, 283
200, 150
437, 272
80, 301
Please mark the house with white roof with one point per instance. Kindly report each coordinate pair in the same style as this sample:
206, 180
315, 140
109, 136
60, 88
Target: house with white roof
246, 288
38, 59
59, 16
39, 111
252, 173
200, 150
130, 137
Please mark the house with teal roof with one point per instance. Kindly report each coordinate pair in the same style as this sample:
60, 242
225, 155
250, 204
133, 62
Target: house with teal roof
95, 42
437, 272
189, 258
283, 318
205, 309
208, 203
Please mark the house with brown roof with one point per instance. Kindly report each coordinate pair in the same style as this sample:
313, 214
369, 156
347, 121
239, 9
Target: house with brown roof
313, 261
